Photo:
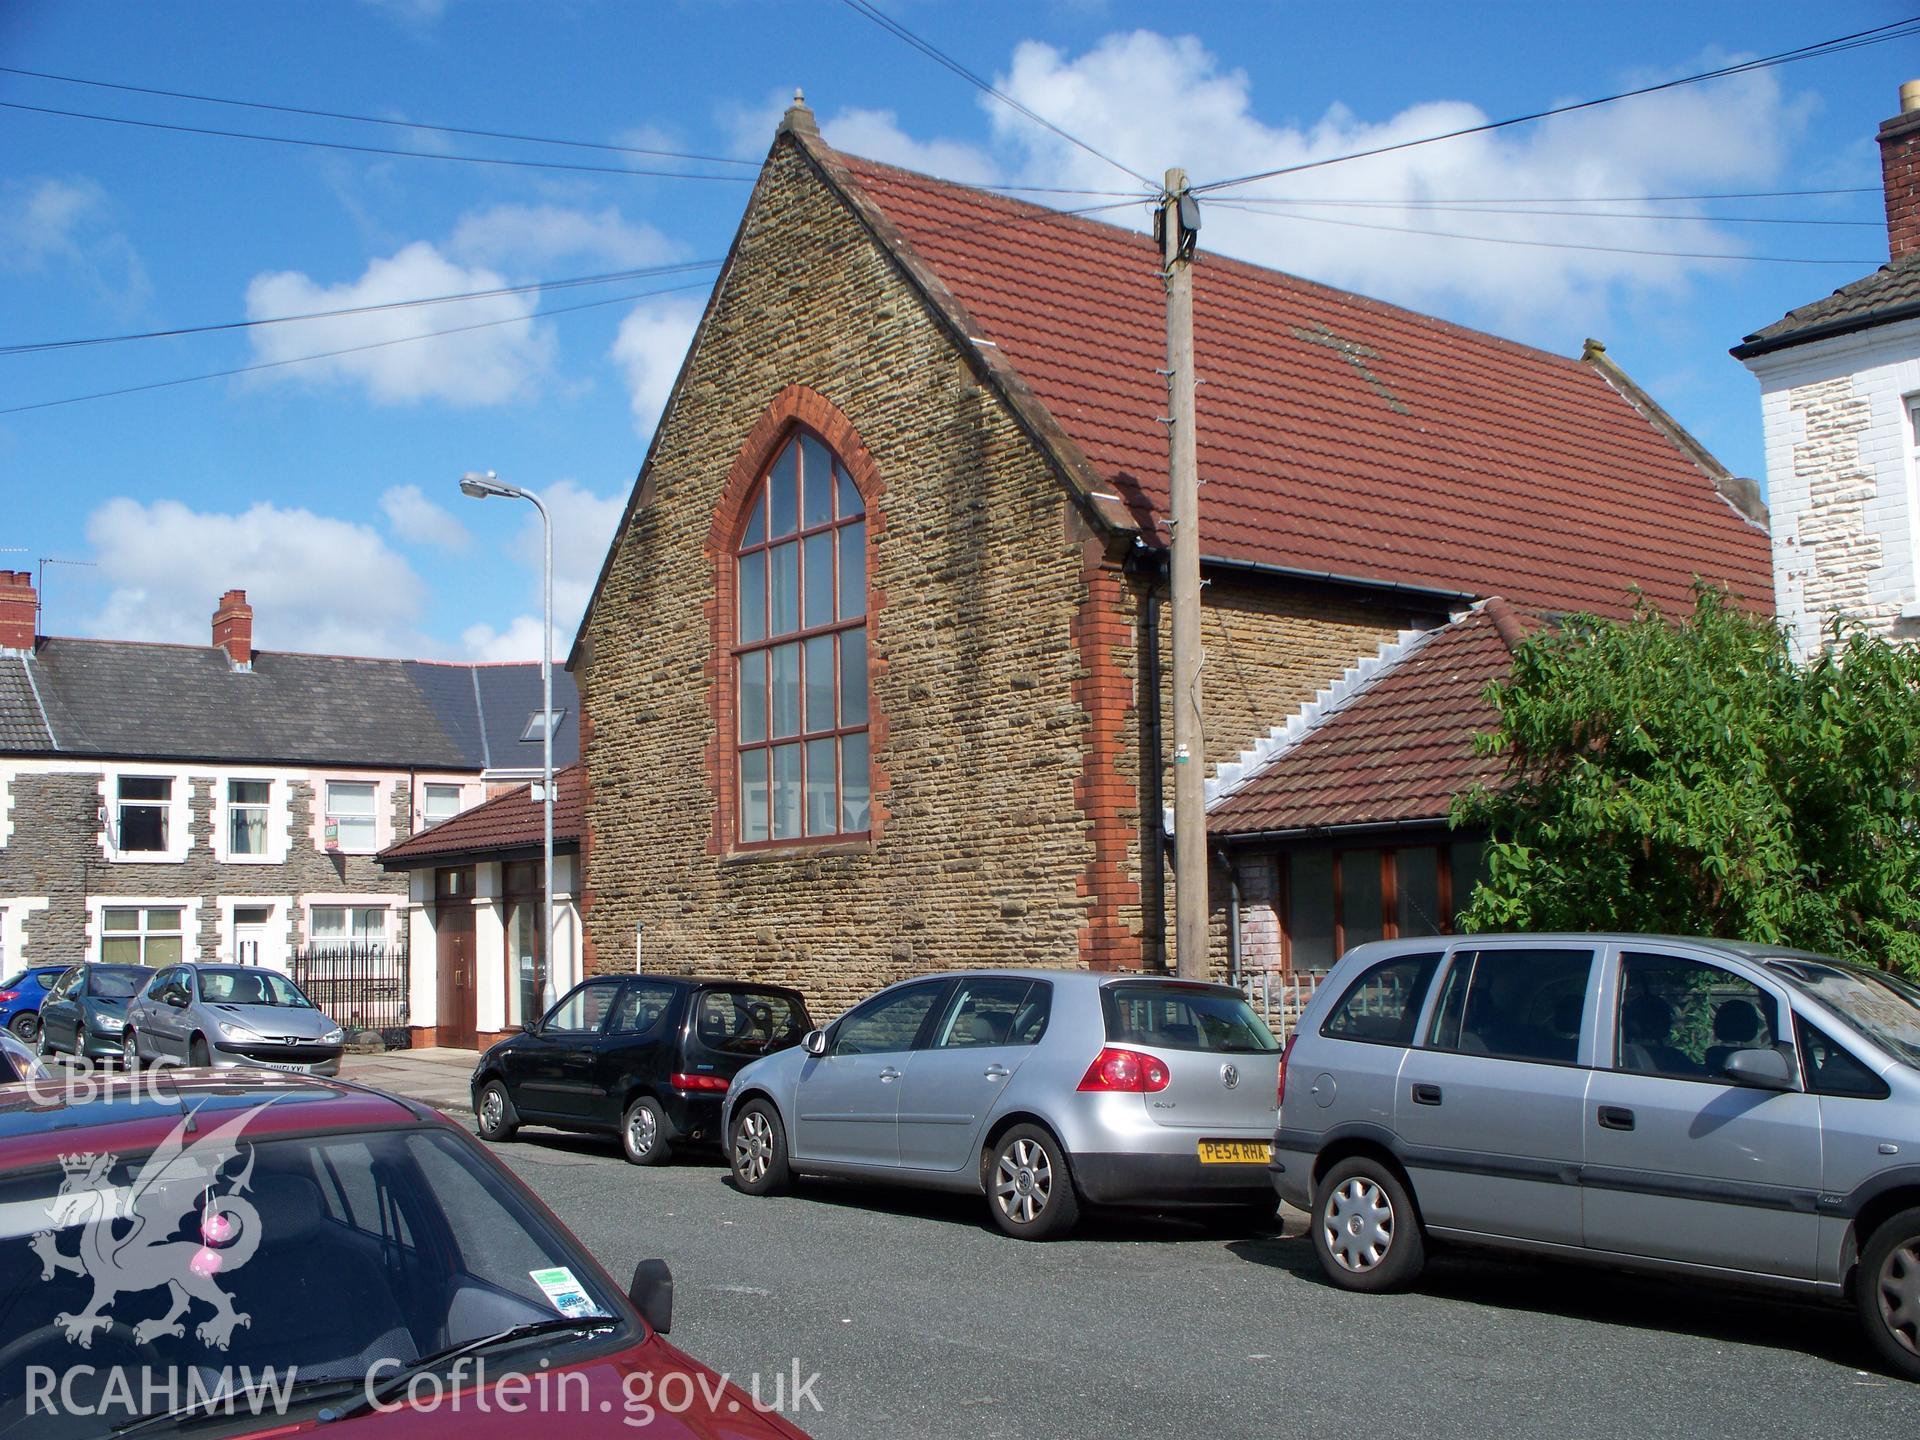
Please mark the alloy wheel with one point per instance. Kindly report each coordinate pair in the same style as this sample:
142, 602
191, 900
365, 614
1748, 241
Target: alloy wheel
1899, 1295
753, 1147
493, 1108
129, 1051
1358, 1230
642, 1130
1023, 1181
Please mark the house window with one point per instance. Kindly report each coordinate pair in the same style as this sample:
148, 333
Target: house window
247, 817
535, 731
442, 803
800, 652
144, 801
141, 935
336, 927
1337, 899
351, 816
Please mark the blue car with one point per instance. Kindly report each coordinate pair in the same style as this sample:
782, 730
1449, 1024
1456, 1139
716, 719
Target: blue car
20, 997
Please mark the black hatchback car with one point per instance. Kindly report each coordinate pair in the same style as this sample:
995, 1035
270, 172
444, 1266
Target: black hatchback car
647, 1057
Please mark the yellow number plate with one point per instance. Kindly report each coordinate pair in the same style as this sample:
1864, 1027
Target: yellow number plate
1235, 1152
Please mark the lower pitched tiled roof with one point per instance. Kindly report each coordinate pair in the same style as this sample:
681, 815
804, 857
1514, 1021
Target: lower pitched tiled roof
1890, 293
508, 822
1393, 743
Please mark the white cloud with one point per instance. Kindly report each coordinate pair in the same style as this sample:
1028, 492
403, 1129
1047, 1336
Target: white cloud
519, 641
66, 224
652, 342
583, 525
539, 234
877, 135
417, 520
491, 366
315, 582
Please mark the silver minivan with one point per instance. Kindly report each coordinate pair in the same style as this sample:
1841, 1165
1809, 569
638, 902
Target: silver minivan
1699, 1107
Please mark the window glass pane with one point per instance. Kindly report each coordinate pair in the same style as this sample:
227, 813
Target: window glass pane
853, 570
349, 798
744, 1022
163, 920
786, 792
247, 830
255, 792
854, 783
853, 677
753, 597
120, 919
982, 1012
1384, 1003
756, 531
1183, 1018
443, 802
887, 1023
816, 477
820, 683
1310, 909
163, 950
327, 922
785, 586
642, 1006
850, 503
786, 690
753, 796
145, 787
753, 696
123, 951
252, 914
1361, 918
1520, 1004
819, 569
820, 787
1416, 892
782, 496
1832, 1070
1685, 1019
370, 926
1469, 859
584, 1008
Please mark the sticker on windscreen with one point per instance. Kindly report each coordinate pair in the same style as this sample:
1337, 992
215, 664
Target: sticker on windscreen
563, 1292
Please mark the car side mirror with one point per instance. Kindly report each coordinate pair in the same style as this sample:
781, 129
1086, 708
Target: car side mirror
652, 1295
815, 1043
529, 1026
1763, 1069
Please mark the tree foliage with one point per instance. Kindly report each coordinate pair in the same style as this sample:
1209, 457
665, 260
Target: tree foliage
1691, 778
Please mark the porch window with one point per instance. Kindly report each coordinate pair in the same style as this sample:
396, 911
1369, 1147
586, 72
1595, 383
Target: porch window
141, 935
1337, 899
247, 817
526, 949
800, 652
351, 817
144, 801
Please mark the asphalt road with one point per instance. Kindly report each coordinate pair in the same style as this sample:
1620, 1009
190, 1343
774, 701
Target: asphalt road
921, 1319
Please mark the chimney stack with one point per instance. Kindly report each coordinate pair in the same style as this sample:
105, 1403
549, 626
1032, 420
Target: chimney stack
19, 609
233, 628
1900, 167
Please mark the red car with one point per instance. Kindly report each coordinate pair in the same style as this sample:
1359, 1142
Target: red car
249, 1253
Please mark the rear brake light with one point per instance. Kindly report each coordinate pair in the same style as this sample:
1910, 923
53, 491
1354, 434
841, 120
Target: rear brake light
681, 1081
7, 997
1280, 1089
1128, 1071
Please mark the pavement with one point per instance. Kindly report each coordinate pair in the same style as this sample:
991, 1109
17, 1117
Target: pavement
436, 1076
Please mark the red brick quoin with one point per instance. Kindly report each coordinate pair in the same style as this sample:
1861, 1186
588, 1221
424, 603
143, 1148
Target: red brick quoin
1107, 798
794, 408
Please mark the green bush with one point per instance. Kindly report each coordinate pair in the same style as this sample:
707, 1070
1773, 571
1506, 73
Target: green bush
1690, 778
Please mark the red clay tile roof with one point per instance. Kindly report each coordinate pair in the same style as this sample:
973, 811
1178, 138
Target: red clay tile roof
1337, 434
1397, 750
512, 821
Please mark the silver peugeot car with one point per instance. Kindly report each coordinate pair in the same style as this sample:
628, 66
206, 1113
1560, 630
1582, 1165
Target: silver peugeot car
1038, 1089
223, 1015
1697, 1107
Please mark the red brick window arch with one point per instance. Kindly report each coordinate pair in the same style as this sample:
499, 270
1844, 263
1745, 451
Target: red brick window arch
800, 670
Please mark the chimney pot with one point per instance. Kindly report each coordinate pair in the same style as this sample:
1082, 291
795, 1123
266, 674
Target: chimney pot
233, 629
19, 609
1910, 97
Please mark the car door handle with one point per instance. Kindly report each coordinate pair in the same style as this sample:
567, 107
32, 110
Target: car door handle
1615, 1117
889, 1075
1426, 1094
996, 1072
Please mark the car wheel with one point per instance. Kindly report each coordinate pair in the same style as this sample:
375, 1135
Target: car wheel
757, 1149
129, 1050
80, 1041
25, 1027
1030, 1185
197, 1052
643, 1133
499, 1121
1365, 1230
1887, 1291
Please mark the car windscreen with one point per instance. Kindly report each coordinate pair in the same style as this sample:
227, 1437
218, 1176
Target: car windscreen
318, 1258
117, 982
1184, 1017
1884, 1008
745, 1021
249, 985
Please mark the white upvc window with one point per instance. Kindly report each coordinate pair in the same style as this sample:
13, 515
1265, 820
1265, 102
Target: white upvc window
144, 816
150, 935
249, 806
353, 822
441, 802
336, 927
1911, 610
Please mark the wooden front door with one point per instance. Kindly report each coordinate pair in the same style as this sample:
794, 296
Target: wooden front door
453, 936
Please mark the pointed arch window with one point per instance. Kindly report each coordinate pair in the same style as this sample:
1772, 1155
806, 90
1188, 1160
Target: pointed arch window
800, 652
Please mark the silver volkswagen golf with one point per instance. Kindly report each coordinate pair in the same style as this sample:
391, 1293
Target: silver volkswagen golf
1038, 1089
1698, 1107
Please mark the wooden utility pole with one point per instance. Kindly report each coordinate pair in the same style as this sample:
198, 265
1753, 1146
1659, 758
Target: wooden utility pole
1179, 232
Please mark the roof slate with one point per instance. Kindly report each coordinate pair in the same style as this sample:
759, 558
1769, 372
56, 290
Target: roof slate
511, 821
1338, 435
122, 699
22, 730
1890, 293
1396, 751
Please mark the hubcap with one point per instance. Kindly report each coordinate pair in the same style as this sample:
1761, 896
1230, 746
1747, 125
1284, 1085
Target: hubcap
493, 1108
753, 1147
642, 1130
1358, 1229
1900, 1296
1023, 1181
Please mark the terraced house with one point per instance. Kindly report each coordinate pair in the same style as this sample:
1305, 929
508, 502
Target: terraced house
873, 679
168, 802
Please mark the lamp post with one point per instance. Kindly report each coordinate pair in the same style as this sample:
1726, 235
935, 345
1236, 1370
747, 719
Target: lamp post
482, 485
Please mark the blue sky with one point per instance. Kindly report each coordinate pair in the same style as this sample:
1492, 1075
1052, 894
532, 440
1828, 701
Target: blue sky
327, 488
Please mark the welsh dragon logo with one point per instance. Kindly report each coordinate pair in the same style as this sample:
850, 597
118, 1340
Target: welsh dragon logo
126, 1232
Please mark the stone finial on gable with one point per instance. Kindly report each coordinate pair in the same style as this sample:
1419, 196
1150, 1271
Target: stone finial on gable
799, 119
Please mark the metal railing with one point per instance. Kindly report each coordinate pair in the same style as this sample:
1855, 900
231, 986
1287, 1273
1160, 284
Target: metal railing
1279, 996
362, 987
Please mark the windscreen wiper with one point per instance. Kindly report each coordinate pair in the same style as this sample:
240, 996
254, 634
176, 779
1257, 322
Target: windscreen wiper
207, 1404
400, 1379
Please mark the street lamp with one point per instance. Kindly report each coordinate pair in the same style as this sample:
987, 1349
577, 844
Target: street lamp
482, 485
